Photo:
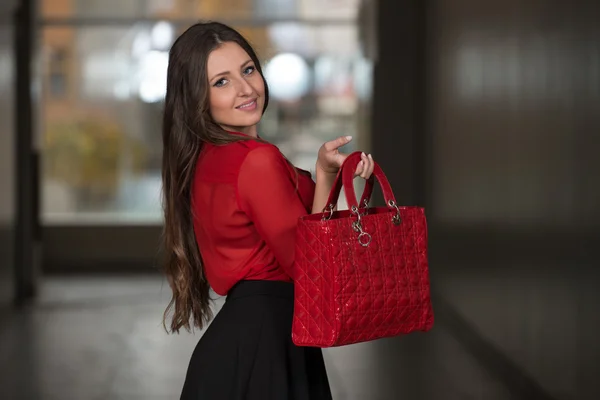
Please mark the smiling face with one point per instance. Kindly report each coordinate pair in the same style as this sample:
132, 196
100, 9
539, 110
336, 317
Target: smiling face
237, 89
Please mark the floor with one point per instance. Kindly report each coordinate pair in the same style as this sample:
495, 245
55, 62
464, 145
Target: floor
102, 338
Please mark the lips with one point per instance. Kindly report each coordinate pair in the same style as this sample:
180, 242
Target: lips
246, 105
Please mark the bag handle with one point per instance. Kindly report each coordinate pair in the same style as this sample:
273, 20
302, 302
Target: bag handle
345, 178
348, 176
334, 194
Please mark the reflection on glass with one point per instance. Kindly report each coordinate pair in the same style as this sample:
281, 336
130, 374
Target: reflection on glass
103, 89
288, 77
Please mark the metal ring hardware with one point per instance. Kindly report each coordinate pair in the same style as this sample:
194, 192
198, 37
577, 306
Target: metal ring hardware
365, 242
396, 219
364, 239
329, 208
366, 207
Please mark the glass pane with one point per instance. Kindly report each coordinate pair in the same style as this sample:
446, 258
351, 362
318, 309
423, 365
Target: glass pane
328, 9
119, 9
205, 9
101, 139
103, 88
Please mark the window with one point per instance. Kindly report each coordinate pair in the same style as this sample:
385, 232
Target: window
57, 73
106, 77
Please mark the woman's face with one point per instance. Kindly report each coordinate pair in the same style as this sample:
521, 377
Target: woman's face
237, 89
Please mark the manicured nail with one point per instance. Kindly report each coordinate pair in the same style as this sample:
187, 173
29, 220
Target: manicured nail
348, 138
363, 154
370, 157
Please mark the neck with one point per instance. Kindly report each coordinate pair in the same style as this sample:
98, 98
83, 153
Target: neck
245, 130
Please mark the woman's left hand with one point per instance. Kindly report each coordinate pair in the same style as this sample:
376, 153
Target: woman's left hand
365, 166
329, 159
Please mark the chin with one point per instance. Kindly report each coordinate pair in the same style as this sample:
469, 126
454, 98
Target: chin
249, 121
237, 122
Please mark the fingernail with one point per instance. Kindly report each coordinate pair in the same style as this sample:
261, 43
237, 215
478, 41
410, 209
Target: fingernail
364, 155
370, 157
348, 138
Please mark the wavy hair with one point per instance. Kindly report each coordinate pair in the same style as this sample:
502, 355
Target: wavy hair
187, 125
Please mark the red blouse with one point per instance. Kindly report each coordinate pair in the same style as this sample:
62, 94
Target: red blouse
245, 205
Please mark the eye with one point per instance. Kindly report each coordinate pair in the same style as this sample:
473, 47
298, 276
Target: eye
249, 69
221, 82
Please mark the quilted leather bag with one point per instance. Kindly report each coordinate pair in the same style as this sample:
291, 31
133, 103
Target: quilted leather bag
360, 274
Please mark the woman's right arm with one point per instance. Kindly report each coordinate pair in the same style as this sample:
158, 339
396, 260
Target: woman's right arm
267, 194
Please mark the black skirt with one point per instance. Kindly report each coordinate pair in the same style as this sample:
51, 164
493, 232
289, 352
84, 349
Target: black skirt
247, 352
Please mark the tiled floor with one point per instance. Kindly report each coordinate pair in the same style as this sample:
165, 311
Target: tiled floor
102, 338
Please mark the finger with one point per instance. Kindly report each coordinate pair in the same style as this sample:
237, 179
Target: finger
371, 166
359, 168
337, 143
366, 162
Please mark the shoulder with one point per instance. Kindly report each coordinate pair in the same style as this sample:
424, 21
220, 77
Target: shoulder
241, 149
224, 163
261, 155
250, 153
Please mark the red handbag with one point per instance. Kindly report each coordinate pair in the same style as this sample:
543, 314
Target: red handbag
360, 274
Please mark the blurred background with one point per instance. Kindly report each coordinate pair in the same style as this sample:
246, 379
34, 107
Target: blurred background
487, 113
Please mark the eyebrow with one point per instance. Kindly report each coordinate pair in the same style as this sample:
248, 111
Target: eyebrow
227, 72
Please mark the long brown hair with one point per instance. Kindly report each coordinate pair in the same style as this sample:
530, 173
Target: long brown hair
187, 125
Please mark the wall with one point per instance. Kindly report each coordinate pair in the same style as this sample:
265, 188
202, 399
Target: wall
513, 194
7, 159
487, 114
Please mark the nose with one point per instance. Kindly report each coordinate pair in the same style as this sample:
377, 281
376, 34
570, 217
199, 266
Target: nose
245, 88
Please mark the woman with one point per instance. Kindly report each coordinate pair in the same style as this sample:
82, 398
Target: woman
231, 206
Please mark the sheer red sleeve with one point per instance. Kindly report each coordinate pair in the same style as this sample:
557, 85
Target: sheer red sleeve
267, 194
